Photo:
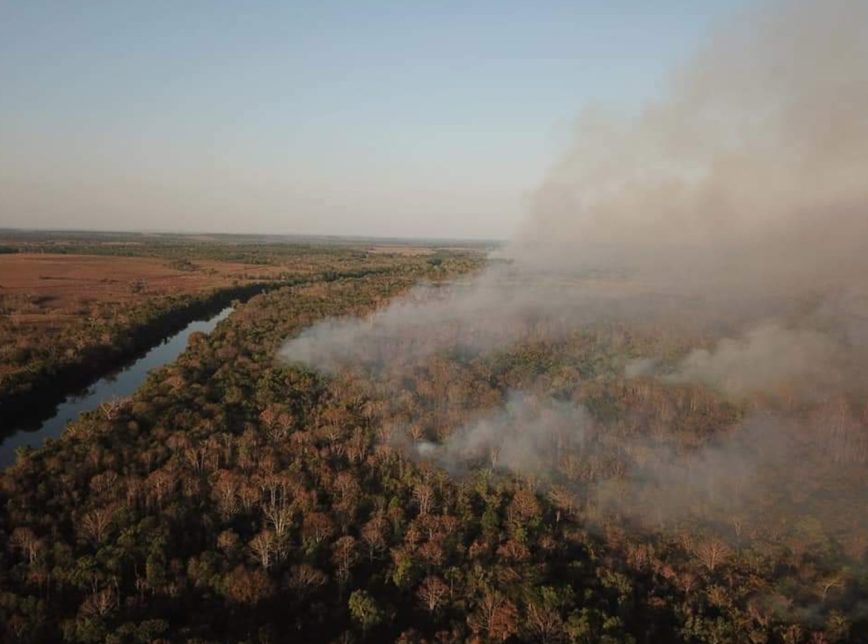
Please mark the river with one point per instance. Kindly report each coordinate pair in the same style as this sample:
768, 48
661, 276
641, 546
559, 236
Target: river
119, 384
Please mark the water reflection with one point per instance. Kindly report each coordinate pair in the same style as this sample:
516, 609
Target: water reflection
117, 385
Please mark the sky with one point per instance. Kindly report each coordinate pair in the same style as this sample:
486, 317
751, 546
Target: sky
401, 119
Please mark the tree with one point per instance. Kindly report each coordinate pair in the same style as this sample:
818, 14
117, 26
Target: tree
112, 408
373, 534
160, 483
543, 614
100, 602
712, 552
826, 584
344, 555
247, 586
424, 496
95, 523
224, 490
496, 616
524, 508
513, 551
364, 610
304, 578
263, 546
279, 515
26, 540
316, 527
432, 592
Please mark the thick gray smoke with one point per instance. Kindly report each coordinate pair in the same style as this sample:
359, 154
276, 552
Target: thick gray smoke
768, 359
749, 174
528, 436
733, 209
735, 478
498, 308
737, 196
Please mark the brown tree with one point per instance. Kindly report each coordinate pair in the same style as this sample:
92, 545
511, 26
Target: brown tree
712, 552
305, 579
495, 616
94, 525
374, 535
248, 586
544, 622
344, 556
317, 527
432, 592
424, 496
27, 542
263, 546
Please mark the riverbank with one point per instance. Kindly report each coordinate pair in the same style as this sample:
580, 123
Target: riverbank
48, 388
104, 393
44, 389
67, 318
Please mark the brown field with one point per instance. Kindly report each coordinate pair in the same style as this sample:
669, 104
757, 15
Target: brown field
60, 281
405, 251
54, 305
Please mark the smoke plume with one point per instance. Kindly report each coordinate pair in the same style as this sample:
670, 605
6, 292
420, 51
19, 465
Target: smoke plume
749, 174
732, 211
527, 436
767, 359
735, 196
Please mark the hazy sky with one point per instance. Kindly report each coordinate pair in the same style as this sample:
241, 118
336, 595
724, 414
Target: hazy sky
393, 118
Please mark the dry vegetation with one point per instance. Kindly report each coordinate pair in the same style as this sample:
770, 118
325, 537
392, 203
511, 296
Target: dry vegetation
42, 293
238, 498
81, 303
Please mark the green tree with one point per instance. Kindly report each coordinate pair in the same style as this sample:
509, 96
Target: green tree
364, 609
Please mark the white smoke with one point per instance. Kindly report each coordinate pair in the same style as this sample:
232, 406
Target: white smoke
734, 209
769, 359
527, 436
733, 198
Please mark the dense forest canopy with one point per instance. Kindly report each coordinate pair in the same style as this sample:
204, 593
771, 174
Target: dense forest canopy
529, 493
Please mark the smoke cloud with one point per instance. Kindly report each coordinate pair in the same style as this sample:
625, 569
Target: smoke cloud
732, 212
734, 198
768, 359
748, 175
742, 478
527, 436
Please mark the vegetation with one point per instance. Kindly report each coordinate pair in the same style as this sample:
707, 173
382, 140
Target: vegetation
236, 498
65, 319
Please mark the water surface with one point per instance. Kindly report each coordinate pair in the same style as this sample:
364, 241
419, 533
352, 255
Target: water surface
120, 384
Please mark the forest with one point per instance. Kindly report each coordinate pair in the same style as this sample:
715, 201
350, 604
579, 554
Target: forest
544, 490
